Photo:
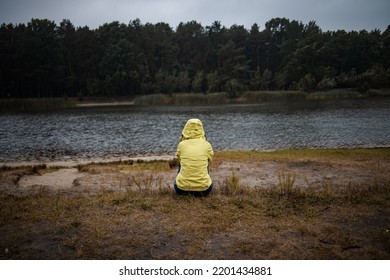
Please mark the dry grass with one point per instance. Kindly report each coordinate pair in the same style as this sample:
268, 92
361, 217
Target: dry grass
305, 154
144, 219
234, 222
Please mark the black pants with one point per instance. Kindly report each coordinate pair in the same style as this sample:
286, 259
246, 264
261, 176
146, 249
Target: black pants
194, 193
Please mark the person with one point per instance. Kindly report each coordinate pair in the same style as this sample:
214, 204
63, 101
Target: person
194, 154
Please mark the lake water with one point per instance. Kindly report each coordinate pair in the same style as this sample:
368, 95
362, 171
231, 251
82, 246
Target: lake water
128, 131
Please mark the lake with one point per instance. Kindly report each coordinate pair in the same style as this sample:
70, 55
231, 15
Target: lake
99, 132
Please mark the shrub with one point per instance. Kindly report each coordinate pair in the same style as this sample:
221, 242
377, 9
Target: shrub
234, 87
326, 83
307, 83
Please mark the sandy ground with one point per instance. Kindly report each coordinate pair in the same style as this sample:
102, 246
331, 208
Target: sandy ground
251, 173
77, 224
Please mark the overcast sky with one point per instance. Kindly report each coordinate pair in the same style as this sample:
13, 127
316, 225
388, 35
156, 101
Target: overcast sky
329, 14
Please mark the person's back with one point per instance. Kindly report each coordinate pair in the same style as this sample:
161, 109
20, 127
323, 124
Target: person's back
194, 153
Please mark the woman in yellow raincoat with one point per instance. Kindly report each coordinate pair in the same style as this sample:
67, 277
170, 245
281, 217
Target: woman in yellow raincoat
194, 153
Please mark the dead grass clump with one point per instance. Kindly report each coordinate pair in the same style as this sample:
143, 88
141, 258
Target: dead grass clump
36, 169
26, 169
287, 182
155, 166
173, 163
126, 165
231, 185
146, 184
370, 194
5, 168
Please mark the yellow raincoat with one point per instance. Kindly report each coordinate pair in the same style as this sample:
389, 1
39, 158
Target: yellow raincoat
194, 153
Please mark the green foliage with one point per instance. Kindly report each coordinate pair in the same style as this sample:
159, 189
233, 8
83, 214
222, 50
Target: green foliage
45, 60
199, 84
375, 77
266, 80
326, 83
307, 83
233, 88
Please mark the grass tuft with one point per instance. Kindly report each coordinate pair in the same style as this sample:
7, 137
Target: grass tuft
287, 182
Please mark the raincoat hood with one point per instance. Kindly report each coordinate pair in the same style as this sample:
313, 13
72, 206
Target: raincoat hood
193, 130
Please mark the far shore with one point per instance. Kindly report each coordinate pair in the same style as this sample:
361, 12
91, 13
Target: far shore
187, 99
103, 104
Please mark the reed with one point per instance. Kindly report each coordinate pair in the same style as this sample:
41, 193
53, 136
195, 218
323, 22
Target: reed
182, 99
219, 98
152, 100
200, 99
262, 96
336, 94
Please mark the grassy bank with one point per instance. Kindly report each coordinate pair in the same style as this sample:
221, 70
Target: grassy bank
353, 153
282, 221
253, 97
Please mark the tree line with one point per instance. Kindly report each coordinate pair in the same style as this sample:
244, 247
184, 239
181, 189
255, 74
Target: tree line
43, 59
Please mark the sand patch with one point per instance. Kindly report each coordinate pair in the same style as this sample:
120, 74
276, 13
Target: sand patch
254, 173
58, 180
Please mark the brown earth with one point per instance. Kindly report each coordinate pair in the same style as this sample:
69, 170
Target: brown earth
282, 208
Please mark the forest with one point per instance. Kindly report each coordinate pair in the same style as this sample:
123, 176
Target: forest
41, 59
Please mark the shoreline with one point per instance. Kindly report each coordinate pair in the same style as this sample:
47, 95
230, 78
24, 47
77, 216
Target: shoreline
264, 169
74, 162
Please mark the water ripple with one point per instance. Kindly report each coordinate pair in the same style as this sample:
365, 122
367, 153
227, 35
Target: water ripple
100, 132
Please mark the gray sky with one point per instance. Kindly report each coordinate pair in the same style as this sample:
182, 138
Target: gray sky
329, 14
